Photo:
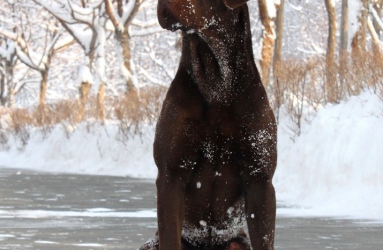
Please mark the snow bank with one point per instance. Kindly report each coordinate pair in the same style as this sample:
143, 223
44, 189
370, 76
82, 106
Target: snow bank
89, 149
334, 168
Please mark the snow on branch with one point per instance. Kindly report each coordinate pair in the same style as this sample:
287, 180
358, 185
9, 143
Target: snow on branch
34, 59
57, 11
21, 48
82, 14
80, 22
84, 75
8, 50
8, 34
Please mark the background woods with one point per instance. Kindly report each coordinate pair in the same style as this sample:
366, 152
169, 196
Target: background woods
109, 59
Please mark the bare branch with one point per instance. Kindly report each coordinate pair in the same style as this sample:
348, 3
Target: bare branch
376, 17
120, 10
373, 33
109, 11
134, 11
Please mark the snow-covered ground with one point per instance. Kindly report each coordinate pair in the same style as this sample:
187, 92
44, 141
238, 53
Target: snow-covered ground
89, 149
336, 165
334, 168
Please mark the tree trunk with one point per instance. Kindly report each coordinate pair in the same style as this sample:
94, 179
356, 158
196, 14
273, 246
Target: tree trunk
279, 40
7, 93
358, 47
84, 93
43, 88
343, 47
100, 102
3, 82
268, 40
123, 40
2, 87
344, 28
331, 85
11, 95
11, 87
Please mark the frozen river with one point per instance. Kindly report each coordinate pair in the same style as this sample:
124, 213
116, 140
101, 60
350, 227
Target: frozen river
51, 211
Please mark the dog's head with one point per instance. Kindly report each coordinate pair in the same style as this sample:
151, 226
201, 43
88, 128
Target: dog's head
195, 15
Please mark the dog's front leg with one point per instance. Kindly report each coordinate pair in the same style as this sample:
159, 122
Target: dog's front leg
170, 211
260, 205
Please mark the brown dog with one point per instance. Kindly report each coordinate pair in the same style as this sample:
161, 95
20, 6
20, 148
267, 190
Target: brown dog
215, 145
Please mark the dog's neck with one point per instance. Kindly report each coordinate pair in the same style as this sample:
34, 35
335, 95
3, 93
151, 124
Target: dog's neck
220, 59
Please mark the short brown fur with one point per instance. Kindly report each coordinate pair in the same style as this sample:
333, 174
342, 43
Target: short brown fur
215, 145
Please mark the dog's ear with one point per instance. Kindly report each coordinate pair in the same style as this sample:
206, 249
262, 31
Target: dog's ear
232, 4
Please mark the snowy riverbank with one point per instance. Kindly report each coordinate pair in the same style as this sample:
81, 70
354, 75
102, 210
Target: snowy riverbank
334, 168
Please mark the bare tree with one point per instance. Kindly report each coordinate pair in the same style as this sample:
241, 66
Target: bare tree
121, 16
39, 61
10, 85
330, 55
267, 13
279, 39
344, 30
87, 25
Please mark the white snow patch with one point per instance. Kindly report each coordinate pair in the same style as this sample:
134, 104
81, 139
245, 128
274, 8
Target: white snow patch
7, 236
46, 242
84, 75
88, 245
271, 10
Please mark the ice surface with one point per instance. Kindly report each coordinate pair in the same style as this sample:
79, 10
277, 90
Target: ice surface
104, 213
